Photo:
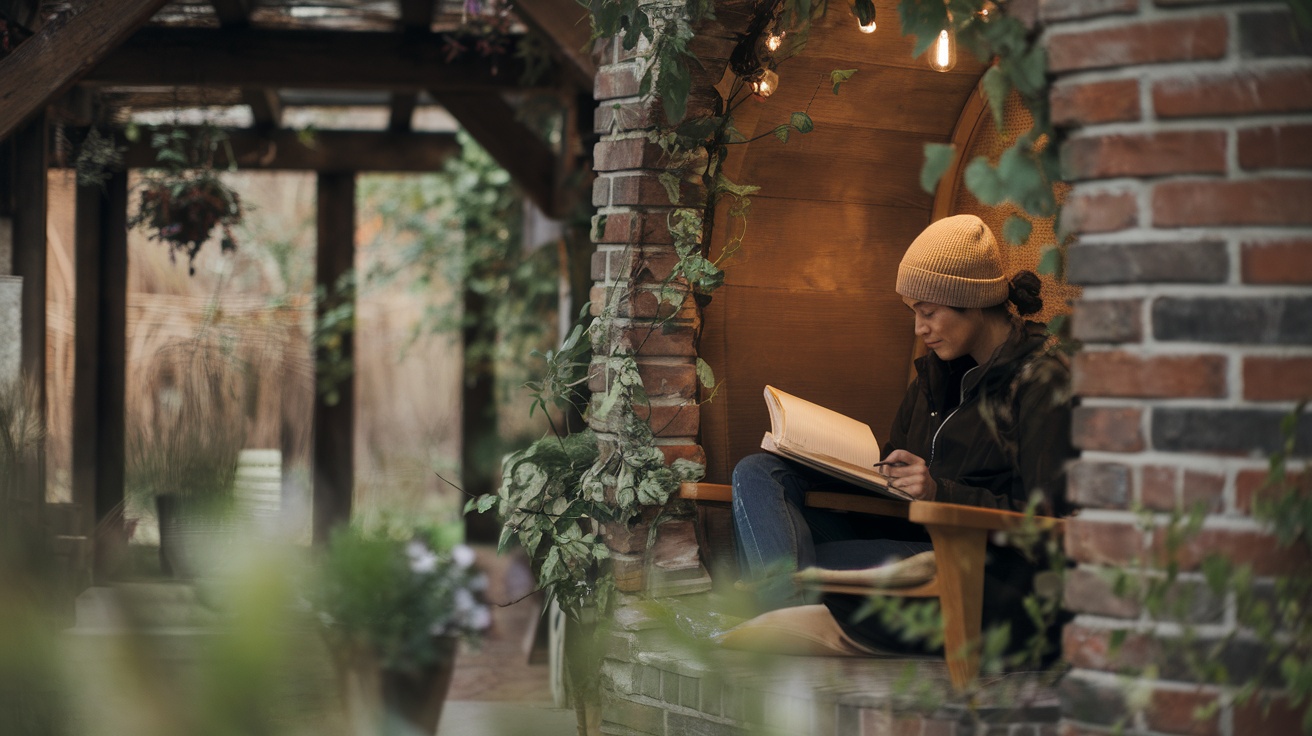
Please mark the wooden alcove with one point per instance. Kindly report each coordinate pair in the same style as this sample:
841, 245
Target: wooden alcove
808, 304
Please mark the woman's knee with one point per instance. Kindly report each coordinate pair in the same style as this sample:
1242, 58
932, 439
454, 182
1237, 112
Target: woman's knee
754, 469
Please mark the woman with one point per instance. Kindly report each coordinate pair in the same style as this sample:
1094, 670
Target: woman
985, 423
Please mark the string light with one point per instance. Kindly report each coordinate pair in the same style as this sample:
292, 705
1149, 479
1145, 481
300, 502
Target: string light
943, 52
765, 84
773, 41
866, 27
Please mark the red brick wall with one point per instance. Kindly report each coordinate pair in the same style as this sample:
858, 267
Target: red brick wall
1189, 144
634, 255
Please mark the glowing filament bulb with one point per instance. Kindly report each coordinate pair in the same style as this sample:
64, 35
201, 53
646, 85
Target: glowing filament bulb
866, 27
773, 42
943, 53
766, 84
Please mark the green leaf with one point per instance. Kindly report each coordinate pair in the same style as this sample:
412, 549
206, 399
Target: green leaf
1050, 262
1017, 229
705, 374
802, 122
923, 20
996, 87
982, 181
838, 76
782, 133
938, 157
671, 183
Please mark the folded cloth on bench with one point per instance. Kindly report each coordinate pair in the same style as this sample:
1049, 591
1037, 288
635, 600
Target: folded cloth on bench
803, 631
914, 570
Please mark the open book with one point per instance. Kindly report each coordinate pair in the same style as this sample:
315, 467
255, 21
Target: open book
825, 440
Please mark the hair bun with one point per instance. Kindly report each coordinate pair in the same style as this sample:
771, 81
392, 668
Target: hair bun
1023, 291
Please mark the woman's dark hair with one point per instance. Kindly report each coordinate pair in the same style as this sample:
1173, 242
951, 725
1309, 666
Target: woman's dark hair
1023, 291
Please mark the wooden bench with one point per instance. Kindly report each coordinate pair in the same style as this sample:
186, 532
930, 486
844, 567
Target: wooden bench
959, 535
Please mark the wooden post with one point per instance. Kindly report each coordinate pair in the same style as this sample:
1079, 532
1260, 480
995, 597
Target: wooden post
100, 363
334, 425
29, 254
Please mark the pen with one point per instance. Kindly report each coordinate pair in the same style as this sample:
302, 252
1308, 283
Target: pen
889, 462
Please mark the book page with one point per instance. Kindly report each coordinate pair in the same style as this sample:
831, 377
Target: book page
801, 426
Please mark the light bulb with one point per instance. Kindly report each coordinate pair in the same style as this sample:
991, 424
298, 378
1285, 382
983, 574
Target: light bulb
943, 52
866, 27
765, 84
773, 42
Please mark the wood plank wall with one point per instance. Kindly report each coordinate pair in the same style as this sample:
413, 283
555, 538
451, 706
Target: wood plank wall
808, 304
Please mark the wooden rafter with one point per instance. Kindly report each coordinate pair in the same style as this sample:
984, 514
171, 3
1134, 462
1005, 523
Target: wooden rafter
416, 18
329, 150
248, 57
45, 65
402, 112
491, 121
266, 108
566, 23
233, 12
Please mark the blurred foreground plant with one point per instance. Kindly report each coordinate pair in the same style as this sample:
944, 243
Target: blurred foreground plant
392, 591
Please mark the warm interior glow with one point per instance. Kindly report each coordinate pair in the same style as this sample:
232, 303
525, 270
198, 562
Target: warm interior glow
766, 84
773, 42
943, 54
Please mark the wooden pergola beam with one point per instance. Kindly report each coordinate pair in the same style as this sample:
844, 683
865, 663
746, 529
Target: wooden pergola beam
566, 23
100, 360
491, 121
47, 64
249, 57
328, 150
334, 423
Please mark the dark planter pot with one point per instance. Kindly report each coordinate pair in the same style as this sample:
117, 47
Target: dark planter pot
375, 696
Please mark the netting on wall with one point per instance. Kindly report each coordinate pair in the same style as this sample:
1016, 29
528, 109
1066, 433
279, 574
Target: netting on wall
990, 142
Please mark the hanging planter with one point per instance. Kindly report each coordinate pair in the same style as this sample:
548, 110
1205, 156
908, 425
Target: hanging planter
183, 204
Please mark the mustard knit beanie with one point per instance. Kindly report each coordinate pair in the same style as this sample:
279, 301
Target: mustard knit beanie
954, 262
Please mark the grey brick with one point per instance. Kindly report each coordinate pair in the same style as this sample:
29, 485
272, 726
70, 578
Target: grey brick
1100, 485
1229, 431
1126, 263
1108, 320
1250, 321
1272, 33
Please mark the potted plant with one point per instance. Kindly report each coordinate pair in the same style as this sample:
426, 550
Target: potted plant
182, 202
183, 453
393, 601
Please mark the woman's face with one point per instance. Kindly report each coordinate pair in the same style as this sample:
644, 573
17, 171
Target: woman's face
949, 333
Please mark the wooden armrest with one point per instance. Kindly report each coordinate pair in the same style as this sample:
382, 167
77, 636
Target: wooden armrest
930, 512
706, 492
974, 517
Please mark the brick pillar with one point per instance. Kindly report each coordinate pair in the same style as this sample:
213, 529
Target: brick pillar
634, 255
1188, 131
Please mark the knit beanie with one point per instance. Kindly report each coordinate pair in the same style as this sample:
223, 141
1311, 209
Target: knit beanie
954, 262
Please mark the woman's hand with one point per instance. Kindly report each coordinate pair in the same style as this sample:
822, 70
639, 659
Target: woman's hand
910, 475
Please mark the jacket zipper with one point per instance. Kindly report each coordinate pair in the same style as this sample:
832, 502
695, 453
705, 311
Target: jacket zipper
933, 443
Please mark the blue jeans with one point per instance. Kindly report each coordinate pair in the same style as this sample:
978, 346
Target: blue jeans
775, 533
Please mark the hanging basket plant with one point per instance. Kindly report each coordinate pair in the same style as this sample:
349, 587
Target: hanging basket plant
183, 202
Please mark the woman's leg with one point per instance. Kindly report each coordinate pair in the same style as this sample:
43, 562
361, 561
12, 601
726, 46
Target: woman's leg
773, 533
